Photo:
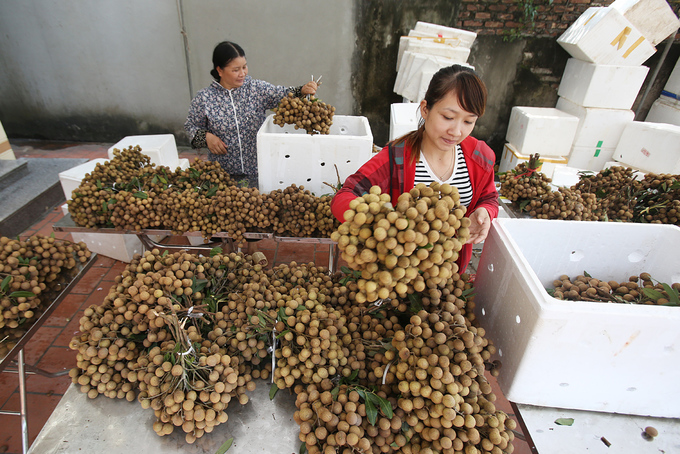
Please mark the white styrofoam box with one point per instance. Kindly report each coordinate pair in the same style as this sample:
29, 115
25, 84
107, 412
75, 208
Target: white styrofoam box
118, 246
604, 357
590, 157
466, 38
183, 164
64, 209
416, 44
404, 70
673, 83
665, 110
543, 130
654, 18
511, 157
161, 148
565, 176
605, 86
8, 154
602, 35
404, 118
409, 83
651, 147
287, 156
70, 179
596, 126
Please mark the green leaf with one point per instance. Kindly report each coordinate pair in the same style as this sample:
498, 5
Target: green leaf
5, 283
21, 293
303, 448
585, 273
198, 284
154, 180
345, 270
212, 191
272, 391
334, 392
141, 195
386, 407
371, 412
523, 204
215, 251
416, 303
673, 299
225, 447
564, 421
652, 293
282, 314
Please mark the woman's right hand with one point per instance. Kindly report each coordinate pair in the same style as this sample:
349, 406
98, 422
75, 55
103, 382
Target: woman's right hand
215, 144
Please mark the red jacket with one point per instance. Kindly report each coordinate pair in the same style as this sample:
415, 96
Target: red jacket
478, 157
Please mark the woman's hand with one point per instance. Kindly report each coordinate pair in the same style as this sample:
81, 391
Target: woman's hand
480, 223
309, 88
215, 144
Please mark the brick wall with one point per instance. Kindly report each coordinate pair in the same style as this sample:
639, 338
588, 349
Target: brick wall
517, 18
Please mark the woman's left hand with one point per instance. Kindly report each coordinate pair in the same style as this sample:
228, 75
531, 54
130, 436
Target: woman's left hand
309, 88
480, 223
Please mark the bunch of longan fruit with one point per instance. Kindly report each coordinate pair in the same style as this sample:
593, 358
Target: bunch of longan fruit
525, 182
32, 273
310, 114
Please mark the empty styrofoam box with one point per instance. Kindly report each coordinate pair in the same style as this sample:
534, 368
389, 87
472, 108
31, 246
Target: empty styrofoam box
466, 37
591, 157
605, 86
287, 156
404, 118
118, 246
672, 86
70, 179
596, 127
665, 110
651, 147
654, 18
543, 130
604, 357
511, 158
160, 148
602, 35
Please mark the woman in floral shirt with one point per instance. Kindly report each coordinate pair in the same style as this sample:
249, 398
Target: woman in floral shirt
225, 116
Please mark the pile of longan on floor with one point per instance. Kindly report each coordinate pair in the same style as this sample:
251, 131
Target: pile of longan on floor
129, 193
32, 274
377, 365
613, 194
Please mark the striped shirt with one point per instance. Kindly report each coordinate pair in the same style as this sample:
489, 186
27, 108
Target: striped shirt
460, 178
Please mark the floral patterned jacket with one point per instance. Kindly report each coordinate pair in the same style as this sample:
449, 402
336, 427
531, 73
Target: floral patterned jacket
234, 116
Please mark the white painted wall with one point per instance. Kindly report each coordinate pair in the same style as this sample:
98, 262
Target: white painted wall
124, 60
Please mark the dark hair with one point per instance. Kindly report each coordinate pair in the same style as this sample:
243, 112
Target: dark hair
225, 52
458, 79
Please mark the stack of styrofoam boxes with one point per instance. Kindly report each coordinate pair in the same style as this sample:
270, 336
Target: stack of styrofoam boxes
602, 80
5, 148
160, 148
666, 109
427, 49
118, 246
287, 156
583, 355
543, 130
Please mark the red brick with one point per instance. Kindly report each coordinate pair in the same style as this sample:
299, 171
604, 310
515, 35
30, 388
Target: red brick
505, 16
497, 8
472, 23
492, 24
480, 16
474, 7
511, 24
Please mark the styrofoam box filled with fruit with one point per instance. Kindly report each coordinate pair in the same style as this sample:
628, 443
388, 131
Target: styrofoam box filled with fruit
608, 357
70, 179
288, 156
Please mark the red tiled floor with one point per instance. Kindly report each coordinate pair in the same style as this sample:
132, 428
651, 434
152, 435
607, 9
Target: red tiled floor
49, 348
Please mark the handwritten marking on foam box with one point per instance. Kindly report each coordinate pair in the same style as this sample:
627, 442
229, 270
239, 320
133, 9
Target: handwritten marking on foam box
645, 152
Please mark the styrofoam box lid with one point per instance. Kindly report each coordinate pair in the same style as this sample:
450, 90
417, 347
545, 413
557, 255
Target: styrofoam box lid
654, 18
416, 42
583, 355
602, 35
161, 148
467, 38
652, 147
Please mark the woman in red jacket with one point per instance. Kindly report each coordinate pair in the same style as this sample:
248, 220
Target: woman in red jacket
440, 150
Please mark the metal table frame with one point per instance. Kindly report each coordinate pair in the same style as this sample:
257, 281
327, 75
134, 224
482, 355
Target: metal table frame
9, 364
66, 224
